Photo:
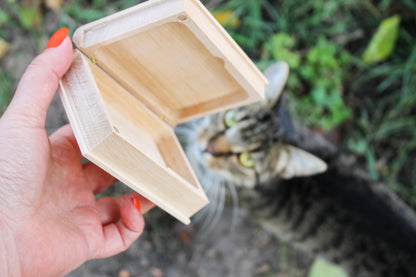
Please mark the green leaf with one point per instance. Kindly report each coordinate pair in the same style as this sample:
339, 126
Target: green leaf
84, 14
382, 43
319, 96
4, 47
279, 46
4, 17
30, 17
357, 145
322, 268
227, 18
371, 163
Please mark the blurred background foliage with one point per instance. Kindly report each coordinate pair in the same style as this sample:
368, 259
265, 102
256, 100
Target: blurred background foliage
352, 73
353, 65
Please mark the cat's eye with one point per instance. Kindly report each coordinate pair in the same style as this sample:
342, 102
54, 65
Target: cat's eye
229, 119
246, 160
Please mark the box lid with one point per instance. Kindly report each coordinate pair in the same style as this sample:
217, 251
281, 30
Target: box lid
174, 57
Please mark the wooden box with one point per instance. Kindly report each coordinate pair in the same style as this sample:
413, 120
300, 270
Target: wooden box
137, 74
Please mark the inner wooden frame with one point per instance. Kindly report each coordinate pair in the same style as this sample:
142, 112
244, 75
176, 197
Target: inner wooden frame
173, 56
125, 138
171, 85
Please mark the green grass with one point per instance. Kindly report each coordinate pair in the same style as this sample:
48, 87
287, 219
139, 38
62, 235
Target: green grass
6, 89
330, 85
322, 268
384, 132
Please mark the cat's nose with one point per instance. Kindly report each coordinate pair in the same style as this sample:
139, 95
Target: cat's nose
210, 148
218, 146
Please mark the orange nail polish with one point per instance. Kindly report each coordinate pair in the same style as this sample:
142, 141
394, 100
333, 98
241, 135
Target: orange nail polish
57, 38
136, 202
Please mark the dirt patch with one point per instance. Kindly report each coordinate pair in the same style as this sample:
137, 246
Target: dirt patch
170, 249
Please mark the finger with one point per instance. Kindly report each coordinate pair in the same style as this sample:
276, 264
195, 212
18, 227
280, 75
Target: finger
108, 210
145, 205
99, 179
120, 235
38, 86
64, 139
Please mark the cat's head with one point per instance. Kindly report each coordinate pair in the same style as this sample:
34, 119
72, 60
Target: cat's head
246, 146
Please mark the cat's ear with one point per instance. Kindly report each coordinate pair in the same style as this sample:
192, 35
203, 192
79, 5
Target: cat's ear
300, 163
277, 75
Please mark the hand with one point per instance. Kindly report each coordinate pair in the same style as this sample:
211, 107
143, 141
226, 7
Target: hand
50, 222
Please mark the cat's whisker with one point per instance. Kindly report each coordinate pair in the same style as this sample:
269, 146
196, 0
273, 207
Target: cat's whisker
207, 221
234, 197
200, 216
207, 182
212, 207
185, 136
219, 208
211, 189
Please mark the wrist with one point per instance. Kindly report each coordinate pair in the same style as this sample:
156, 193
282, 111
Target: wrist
9, 258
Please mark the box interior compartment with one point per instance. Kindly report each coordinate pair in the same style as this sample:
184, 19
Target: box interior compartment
141, 128
171, 71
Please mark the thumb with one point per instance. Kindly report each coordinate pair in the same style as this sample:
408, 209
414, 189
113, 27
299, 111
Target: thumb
38, 86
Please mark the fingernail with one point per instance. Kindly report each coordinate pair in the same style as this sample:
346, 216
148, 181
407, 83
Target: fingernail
136, 202
57, 38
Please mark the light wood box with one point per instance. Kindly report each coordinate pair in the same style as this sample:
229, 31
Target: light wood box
137, 74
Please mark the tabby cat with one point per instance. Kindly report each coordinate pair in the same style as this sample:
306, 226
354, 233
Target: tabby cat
319, 202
